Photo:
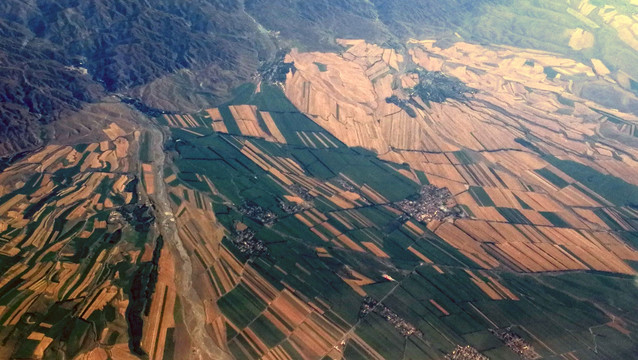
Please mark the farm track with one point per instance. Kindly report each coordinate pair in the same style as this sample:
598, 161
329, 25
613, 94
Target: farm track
202, 346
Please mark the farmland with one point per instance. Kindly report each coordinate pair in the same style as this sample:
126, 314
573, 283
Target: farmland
319, 220
292, 238
519, 150
79, 253
461, 182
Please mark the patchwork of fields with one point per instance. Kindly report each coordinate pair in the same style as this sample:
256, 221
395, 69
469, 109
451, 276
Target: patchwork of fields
523, 155
77, 250
449, 198
299, 210
290, 237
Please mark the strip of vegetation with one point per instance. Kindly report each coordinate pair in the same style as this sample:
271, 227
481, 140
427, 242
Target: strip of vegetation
528, 145
551, 177
140, 296
617, 191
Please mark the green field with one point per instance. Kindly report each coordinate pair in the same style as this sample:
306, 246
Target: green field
513, 216
615, 190
553, 178
554, 218
241, 306
480, 196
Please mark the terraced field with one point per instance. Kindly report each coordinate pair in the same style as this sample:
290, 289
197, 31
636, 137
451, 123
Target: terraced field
78, 251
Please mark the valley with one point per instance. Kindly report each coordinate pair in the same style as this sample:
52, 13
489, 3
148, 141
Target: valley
319, 180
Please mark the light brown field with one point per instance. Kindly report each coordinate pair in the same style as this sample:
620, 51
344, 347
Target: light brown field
149, 178
581, 39
344, 100
114, 131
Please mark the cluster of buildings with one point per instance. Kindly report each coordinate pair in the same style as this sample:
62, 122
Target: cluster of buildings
301, 191
139, 216
345, 185
516, 343
257, 213
465, 353
290, 207
371, 305
433, 204
247, 243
